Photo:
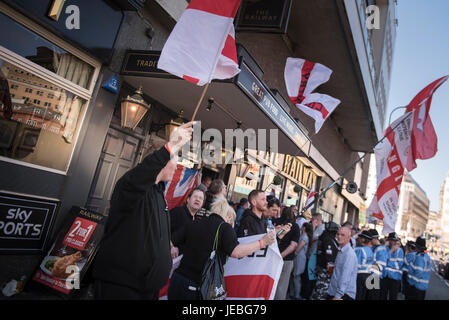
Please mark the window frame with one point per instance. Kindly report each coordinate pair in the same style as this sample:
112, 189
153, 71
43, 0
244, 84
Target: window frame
47, 75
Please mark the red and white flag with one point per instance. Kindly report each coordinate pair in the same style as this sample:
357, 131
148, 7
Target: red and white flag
301, 78
252, 277
255, 276
391, 157
201, 46
183, 181
424, 138
310, 200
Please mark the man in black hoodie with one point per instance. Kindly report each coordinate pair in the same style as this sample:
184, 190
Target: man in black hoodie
327, 251
134, 259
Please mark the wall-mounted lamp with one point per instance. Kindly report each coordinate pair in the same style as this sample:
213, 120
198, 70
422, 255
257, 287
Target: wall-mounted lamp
133, 109
210, 102
170, 126
173, 124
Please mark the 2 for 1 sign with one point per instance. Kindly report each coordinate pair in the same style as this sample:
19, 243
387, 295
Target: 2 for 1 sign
79, 233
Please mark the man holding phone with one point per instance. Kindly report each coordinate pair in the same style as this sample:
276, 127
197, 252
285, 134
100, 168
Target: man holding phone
134, 258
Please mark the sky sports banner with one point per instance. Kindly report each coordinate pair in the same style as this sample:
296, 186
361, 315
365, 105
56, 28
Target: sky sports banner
254, 277
67, 261
25, 223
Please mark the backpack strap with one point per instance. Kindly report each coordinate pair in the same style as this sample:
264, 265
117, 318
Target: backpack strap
215, 247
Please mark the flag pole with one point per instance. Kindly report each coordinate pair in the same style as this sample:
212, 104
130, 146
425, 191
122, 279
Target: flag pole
322, 193
199, 101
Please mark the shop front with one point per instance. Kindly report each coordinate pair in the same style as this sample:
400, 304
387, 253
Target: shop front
245, 103
53, 118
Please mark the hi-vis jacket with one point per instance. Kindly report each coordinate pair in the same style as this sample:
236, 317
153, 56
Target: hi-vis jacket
408, 258
365, 259
380, 259
393, 270
419, 271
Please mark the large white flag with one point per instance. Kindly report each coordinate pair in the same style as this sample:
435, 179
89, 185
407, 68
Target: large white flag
391, 158
252, 277
201, 46
301, 78
256, 276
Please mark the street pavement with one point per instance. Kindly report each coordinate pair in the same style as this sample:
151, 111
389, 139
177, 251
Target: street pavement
438, 287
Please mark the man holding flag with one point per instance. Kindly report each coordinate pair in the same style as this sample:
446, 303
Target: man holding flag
134, 258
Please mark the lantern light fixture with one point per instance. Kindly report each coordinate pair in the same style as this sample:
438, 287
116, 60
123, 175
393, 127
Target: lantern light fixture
133, 109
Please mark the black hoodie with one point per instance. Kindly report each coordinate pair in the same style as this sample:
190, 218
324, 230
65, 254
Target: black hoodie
135, 249
250, 224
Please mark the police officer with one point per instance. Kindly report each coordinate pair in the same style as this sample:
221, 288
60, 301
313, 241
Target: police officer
326, 253
380, 257
419, 272
410, 251
365, 258
392, 274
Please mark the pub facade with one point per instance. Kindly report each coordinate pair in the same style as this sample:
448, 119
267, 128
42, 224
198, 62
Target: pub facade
63, 143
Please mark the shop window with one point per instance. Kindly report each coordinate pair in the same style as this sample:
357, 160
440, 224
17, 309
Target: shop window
50, 145
44, 53
292, 197
58, 80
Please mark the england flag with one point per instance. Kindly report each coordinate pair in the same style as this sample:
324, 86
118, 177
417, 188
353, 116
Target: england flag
201, 47
391, 158
301, 78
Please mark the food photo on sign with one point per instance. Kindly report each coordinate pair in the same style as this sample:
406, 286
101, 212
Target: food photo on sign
70, 256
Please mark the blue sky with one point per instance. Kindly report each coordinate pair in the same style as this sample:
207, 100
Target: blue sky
422, 56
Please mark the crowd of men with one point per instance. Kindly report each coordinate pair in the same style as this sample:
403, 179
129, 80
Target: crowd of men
321, 260
342, 262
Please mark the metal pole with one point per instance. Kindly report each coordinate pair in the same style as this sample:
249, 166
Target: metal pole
389, 121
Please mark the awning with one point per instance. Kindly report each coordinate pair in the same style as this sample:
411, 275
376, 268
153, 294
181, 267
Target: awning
244, 98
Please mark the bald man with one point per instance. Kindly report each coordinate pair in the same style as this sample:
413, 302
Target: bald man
344, 278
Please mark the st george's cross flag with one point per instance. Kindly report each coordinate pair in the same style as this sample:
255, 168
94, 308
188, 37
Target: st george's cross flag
391, 158
183, 181
301, 78
201, 46
255, 276
424, 138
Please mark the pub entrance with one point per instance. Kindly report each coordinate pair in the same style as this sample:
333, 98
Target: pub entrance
119, 154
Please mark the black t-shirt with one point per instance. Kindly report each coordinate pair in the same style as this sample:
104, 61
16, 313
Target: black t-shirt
292, 235
179, 218
251, 224
327, 249
198, 239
